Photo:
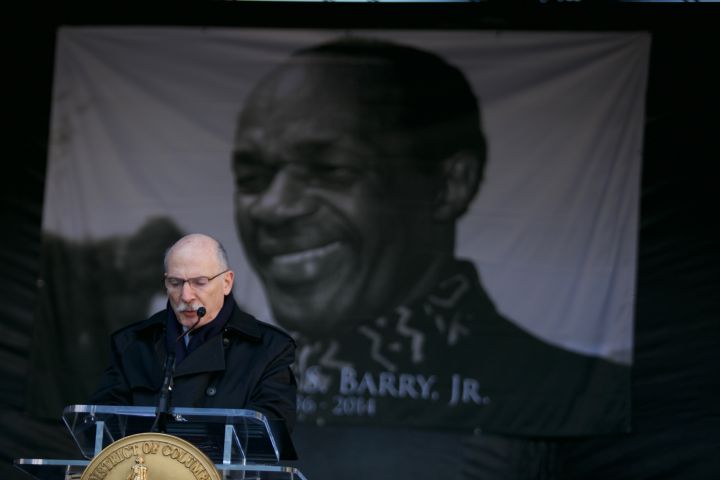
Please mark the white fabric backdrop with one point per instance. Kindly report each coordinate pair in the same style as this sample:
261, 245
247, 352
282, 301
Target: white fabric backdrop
143, 122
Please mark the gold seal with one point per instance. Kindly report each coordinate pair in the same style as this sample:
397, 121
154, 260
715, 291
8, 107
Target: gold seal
150, 456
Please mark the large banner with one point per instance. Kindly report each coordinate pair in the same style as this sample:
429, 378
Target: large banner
446, 221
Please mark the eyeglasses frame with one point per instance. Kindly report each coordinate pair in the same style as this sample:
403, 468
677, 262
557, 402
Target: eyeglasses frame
190, 280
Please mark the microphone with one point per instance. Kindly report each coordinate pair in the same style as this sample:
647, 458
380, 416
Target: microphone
164, 400
200, 313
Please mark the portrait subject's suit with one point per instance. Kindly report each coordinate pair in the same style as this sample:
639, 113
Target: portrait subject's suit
531, 392
458, 363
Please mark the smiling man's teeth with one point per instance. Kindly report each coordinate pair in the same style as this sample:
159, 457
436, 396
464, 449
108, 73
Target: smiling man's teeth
306, 255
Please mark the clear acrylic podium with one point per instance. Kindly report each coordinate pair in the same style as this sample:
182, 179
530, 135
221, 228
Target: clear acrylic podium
243, 444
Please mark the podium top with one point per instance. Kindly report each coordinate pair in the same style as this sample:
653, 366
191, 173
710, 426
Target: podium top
222, 434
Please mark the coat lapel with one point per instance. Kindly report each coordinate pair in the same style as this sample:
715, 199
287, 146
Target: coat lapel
207, 358
210, 356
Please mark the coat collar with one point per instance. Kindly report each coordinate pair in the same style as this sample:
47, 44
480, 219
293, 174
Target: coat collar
243, 324
209, 356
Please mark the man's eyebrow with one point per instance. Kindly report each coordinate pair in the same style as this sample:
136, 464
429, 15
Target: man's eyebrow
321, 148
332, 144
255, 151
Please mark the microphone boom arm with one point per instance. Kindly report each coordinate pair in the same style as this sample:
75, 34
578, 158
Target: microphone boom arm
162, 412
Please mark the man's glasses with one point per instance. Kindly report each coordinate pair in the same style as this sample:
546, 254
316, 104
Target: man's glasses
175, 284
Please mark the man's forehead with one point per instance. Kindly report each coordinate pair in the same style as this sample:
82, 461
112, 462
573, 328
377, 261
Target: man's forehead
192, 254
315, 103
319, 85
371, 101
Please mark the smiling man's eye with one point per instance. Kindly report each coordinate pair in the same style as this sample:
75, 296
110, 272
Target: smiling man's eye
253, 180
326, 162
251, 174
330, 173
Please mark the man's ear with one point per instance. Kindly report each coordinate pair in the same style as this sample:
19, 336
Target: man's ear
461, 178
228, 281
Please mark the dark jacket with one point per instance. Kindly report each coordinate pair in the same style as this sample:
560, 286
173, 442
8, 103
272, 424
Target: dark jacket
246, 366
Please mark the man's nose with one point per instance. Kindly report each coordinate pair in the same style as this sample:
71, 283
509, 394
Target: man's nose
286, 198
186, 292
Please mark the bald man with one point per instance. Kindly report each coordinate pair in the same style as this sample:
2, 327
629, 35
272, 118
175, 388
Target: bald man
224, 358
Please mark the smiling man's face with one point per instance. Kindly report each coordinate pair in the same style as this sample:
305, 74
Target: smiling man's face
331, 223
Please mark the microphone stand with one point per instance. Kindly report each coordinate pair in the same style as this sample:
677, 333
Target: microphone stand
164, 401
164, 405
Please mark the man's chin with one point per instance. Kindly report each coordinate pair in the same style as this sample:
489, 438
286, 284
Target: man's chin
186, 319
314, 322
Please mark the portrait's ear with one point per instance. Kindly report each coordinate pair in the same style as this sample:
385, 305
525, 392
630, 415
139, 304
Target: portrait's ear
461, 178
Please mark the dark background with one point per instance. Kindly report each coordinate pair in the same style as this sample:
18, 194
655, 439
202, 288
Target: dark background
676, 372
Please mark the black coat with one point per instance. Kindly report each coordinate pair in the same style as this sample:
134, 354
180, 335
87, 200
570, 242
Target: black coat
246, 366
